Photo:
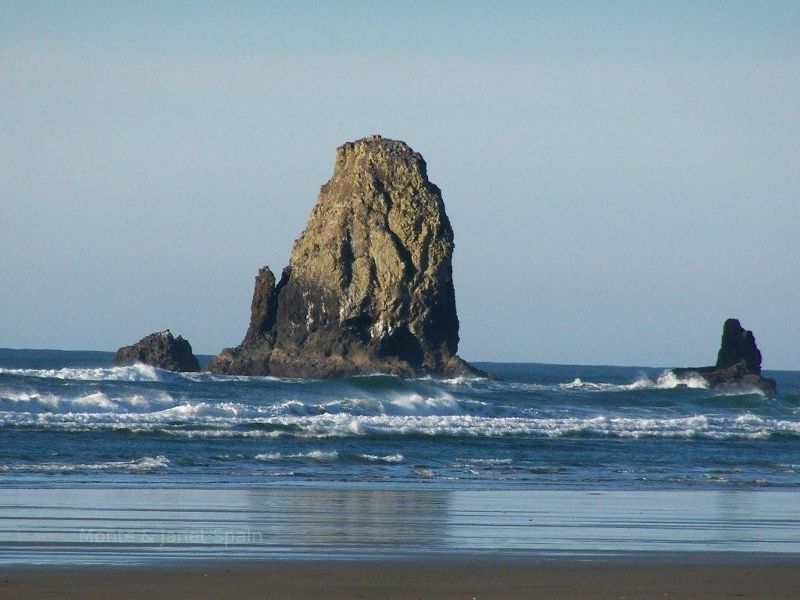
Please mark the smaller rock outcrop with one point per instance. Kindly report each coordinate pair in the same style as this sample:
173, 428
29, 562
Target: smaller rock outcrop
738, 362
161, 350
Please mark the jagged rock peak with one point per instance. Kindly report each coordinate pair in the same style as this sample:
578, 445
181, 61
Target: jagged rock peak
161, 350
369, 286
738, 345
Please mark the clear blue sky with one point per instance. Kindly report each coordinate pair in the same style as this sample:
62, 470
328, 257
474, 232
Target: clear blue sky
621, 177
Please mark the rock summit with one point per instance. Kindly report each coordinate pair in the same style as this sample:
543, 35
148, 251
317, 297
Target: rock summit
369, 286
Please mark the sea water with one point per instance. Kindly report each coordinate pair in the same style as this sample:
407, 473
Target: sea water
71, 418
102, 464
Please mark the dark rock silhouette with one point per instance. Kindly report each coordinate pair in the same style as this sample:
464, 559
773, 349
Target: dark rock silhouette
160, 350
369, 286
738, 362
738, 345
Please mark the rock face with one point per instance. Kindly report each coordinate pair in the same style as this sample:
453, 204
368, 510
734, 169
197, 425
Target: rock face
160, 350
738, 345
369, 286
738, 362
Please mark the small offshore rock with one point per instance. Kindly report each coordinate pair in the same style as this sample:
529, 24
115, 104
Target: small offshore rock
738, 362
160, 350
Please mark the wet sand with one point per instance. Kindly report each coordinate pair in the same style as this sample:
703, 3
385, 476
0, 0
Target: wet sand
429, 578
127, 527
356, 543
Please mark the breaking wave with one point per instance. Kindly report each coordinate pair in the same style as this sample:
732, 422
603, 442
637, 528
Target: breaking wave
383, 406
315, 455
330, 456
33, 402
136, 372
191, 422
666, 381
146, 463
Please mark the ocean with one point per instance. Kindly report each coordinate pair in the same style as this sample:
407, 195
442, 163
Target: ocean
104, 464
71, 418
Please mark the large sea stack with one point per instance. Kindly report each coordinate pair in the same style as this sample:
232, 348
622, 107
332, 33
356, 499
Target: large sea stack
369, 286
738, 362
162, 350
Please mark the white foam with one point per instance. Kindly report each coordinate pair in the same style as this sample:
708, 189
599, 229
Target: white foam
668, 380
484, 461
665, 381
703, 426
461, 380
50, 401
146, 463
203, 376
346, 425
410, 403
295, 407
212, 433
269, 456
579, 384
739, 390
136, 372
399, 414
315, 455
188, 411
95, 403
787, 467
574, 384
415, 404
391, 458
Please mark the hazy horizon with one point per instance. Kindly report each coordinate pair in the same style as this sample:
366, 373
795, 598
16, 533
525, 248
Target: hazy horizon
621, 178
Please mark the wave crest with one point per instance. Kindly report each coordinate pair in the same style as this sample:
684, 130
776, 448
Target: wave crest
665, 381
136, 372
146, 463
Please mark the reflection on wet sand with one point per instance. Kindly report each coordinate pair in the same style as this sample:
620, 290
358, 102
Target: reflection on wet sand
352, 520
125, 526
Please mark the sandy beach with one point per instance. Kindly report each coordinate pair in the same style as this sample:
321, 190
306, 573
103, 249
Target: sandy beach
450, 578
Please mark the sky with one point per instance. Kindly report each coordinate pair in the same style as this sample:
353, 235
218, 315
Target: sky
621, 177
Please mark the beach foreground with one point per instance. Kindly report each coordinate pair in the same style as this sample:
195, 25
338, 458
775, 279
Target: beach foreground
446, 578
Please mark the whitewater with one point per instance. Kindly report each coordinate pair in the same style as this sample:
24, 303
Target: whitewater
71, 418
